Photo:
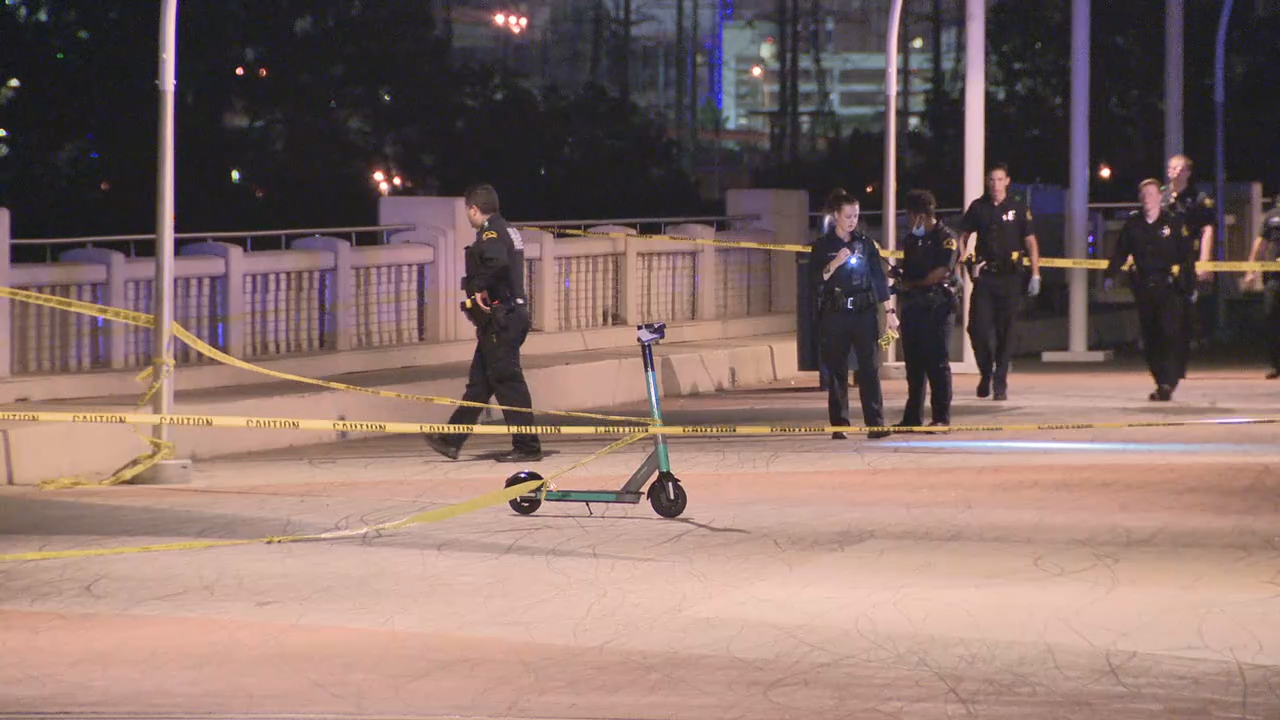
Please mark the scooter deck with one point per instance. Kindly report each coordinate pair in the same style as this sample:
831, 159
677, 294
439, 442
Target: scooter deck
596, 496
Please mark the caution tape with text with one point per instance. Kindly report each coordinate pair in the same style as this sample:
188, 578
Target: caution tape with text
403, 428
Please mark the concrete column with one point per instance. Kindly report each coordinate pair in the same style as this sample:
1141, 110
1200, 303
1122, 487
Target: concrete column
342, 296
235, 314
114, 260
786, 213
440, 222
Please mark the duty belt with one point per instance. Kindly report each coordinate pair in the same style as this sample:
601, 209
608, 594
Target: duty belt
858, 301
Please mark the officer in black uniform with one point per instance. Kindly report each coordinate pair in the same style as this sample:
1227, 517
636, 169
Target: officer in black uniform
928, 301
1004, 236
1266, 247
1195, 211
1163, 267
495, 303
847, 271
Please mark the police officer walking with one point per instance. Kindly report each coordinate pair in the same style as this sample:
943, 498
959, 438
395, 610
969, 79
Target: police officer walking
1163, 267
1267, 247
495, 303
927, 300
1004, 233
1195, 212
846, 270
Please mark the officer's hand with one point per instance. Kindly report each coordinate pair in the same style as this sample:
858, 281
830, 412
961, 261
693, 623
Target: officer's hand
842, 257
976, 268
1033, 288
1249, 277
891, 321
1204, 275
482, 299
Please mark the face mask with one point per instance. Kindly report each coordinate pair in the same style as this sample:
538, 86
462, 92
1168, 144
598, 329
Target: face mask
918, 230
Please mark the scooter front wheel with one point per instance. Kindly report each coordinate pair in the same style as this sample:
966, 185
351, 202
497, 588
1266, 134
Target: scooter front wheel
668, 505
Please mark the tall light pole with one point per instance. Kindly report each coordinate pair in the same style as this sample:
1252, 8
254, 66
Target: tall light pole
1078, 195
890, 216
1219, 111
162, 289
975, 128
1173, 77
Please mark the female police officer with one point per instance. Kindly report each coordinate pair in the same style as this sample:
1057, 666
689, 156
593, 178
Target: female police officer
845, 268
928, 304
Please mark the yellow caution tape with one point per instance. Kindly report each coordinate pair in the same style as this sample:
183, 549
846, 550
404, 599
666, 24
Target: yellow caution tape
1088, 264
427, 516
144, 320
404, 428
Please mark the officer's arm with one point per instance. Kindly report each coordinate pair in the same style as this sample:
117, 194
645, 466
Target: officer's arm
1207, 231
1254, 252
876, 264
1029, 239
1121, 254
968, 230
493, 260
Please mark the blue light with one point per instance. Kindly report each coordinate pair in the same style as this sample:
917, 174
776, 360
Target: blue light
717, 53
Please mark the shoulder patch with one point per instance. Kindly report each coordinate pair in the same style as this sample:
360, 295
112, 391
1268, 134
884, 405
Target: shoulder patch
515, 238
949, 243
488, 234
1208, 202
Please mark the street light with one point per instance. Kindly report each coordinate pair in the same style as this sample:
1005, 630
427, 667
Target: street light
514, 22
756, 71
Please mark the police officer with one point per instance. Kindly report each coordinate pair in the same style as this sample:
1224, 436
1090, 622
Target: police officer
1195, 211
1004, 234
1163, 267
1267, 247
495, 303
927, 300
846, 270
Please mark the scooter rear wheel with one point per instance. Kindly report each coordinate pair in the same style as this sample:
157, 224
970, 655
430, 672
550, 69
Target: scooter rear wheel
524, 505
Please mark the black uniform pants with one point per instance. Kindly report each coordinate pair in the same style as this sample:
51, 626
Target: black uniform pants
496, 371
1271, 306
993, 308
1162, 316
840, 329
926, 336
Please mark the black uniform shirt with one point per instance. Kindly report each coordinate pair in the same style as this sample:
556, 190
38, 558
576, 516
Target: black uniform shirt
1002, 230
495, 263
1271, 248
921, 255
1156, 247
1195, 210
861, 273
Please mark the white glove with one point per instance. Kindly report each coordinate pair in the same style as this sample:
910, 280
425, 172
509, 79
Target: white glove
1033, 288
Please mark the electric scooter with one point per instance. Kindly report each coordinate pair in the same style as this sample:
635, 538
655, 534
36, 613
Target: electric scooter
666, 494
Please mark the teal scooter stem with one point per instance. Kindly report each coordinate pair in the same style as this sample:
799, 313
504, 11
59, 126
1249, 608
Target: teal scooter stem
666, 495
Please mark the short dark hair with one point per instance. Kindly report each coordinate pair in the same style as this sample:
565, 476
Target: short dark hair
921, 202
999, 166
484, 197
838, 199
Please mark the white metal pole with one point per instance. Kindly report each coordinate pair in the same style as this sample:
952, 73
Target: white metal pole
975, 128
1173, 77
1220, 174
890, 216
1078, 192
162, 292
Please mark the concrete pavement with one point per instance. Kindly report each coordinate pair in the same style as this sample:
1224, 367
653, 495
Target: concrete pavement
1069, 574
